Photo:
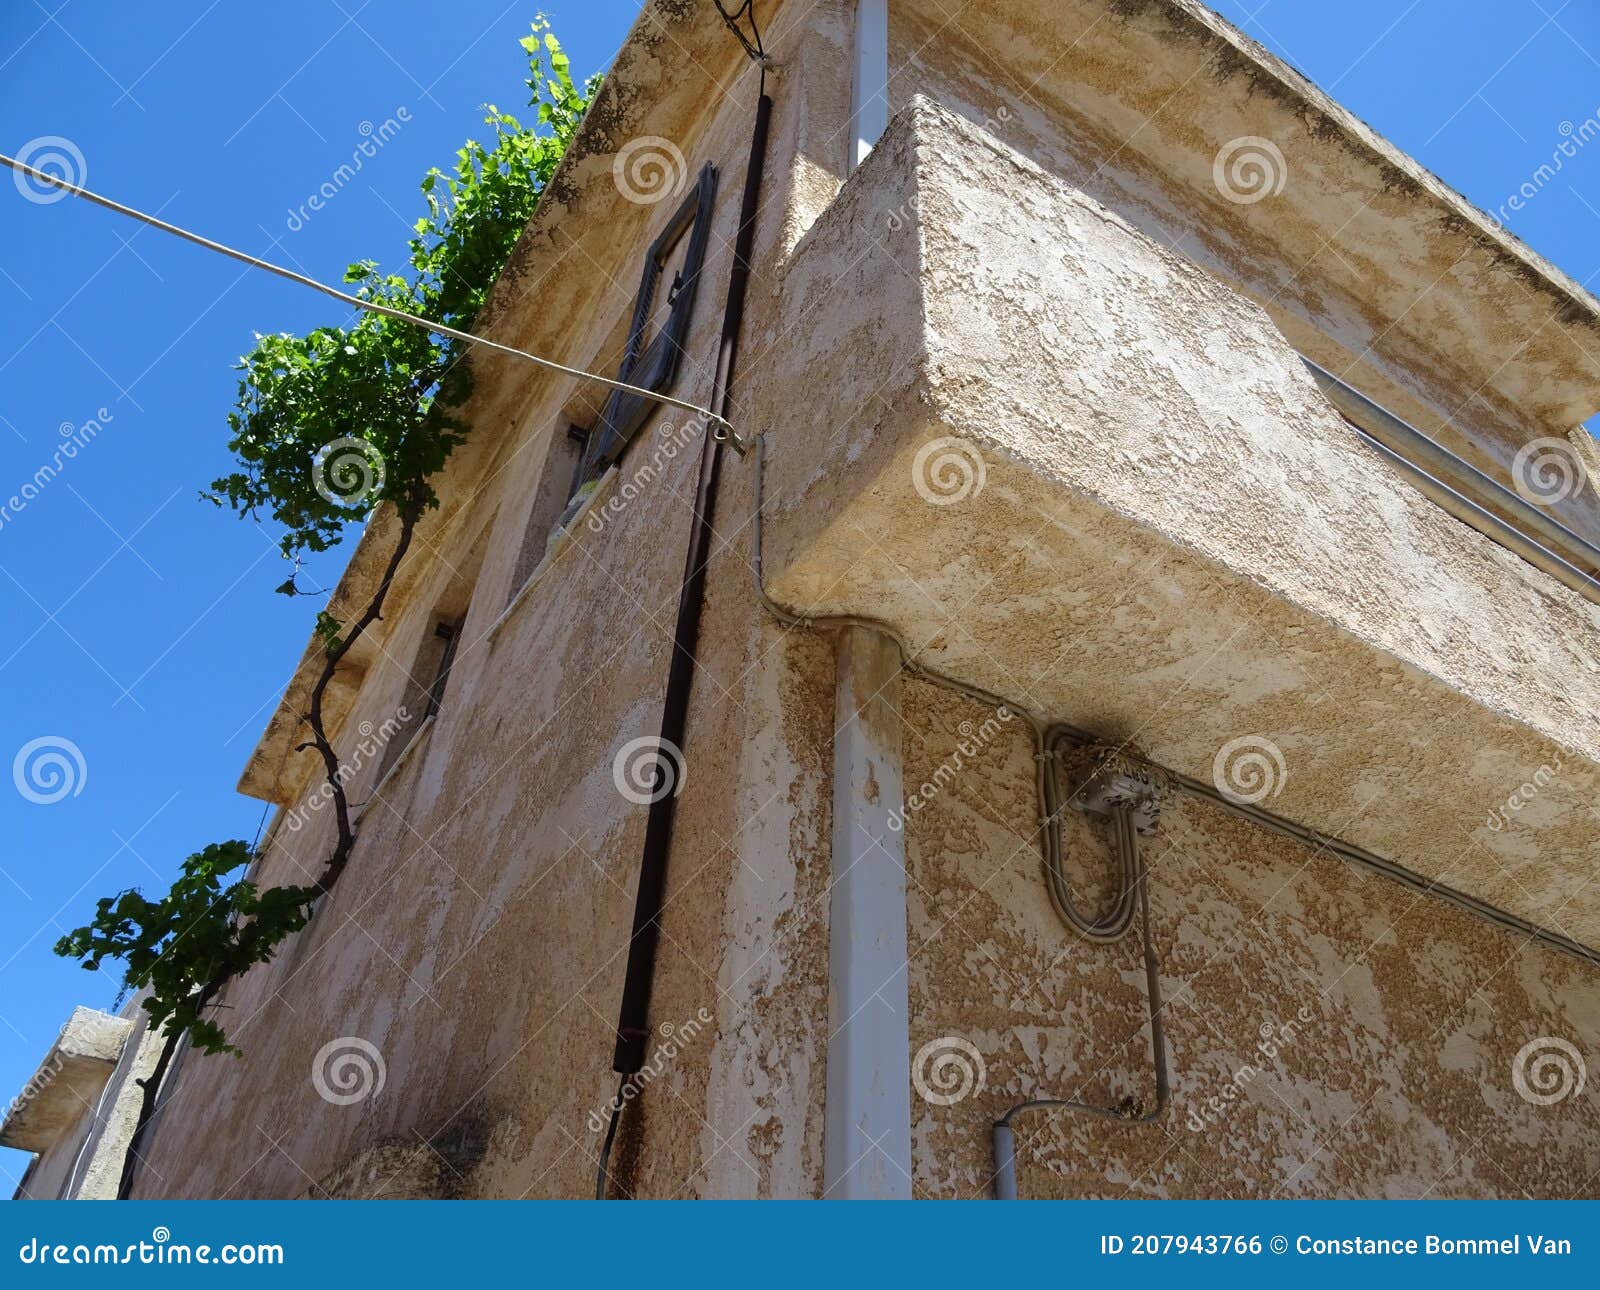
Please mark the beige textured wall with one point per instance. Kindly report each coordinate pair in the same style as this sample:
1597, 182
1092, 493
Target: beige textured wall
1396, 1018
477, 941
1166, 528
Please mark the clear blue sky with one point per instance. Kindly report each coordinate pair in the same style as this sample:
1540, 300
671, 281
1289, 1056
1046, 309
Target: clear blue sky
139, 623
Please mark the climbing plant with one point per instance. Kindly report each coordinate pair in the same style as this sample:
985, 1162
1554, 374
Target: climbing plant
329, 426
335, 423
186, 946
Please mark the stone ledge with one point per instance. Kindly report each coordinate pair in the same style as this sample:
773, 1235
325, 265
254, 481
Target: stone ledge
68, 1082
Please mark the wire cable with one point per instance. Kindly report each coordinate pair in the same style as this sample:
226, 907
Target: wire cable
1128, 843
1114, 922
602, 1177
357, 302
752, 43
1317, 840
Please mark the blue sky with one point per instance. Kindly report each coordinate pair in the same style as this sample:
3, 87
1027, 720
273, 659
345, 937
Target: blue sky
139, 623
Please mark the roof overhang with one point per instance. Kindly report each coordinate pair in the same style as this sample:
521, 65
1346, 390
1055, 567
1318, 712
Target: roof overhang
69, 1081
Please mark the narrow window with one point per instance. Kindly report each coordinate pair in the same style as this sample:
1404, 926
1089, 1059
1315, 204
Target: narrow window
439, 651
558, 484
651, 353
449, 634
650, 358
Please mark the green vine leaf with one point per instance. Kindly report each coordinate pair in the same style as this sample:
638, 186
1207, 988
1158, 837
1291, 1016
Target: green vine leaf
204, 931
330, 425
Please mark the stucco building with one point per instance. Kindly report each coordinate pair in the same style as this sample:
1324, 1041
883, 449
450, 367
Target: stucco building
1064, 647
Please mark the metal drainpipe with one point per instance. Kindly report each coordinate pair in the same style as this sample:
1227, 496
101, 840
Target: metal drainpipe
633, 1021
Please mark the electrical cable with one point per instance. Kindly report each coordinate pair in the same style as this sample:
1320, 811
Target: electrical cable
1004, 1141
130, 1047
1115, 921
602, 1178
724, 429
1048, 742
1347, 851
633, 1030
752, 43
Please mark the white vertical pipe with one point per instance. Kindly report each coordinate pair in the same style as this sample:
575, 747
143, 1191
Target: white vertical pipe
1005, 1161
867, 1120
869, 96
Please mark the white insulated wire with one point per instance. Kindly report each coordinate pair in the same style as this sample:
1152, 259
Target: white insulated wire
726, 430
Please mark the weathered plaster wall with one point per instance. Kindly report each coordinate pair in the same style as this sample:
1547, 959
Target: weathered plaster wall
1393, 1019
478, 939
